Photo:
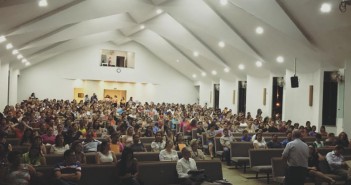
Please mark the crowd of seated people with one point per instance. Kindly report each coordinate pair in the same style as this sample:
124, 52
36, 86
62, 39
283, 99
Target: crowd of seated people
107, 129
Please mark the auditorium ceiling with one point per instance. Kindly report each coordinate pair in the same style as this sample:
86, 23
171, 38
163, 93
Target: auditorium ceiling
195, 37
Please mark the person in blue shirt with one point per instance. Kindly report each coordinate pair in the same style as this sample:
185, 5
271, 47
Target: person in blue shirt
288, 138
246, 137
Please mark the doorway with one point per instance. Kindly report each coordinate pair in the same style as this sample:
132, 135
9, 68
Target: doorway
242, 96
277, 97
216, 95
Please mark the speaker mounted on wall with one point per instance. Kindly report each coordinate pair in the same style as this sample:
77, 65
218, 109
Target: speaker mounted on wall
294, 82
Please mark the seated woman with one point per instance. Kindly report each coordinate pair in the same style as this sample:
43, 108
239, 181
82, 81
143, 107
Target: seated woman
127, 168
105, 155
259, 143
49, 137
168, 154
187, 170
90, 144
115, 145
179, 143
34, 157
127, 139
19, 173
211, 134
196, 153
158, 144
313, 166
77, 147
137, 146
38, 142
27, 138
318, 143
342, 140
59, 147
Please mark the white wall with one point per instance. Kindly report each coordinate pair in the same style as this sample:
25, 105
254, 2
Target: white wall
4, 68
206, 93
296, 100
347, 98
55, 78
226, 94
254, 95
13, 86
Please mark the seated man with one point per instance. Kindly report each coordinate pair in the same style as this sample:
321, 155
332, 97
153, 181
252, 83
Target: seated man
90, 144
225, 142
67, 172
274, 143
187, 169
336, 162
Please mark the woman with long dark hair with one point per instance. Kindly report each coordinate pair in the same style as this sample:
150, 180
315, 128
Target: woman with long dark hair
127, 168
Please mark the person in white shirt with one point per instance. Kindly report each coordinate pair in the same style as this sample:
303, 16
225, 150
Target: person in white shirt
187, 170
158, 144
226, 141
259, 143
168, 154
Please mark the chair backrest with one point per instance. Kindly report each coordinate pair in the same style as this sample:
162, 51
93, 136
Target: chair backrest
240, 149
194, 134
204, 139
262, 157
147, 140
217, 144
278, 167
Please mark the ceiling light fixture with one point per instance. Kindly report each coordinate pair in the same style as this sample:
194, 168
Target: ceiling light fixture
241, 66
43, 3
27, 63
142, 27
280, 59
2, 38
194, 75
259, 30
9, 46
159, 11
203, 74
221, 44
196, 54
177, 60
224, 2
15, 52
19, 57
214, 72
325, 8
258, 63
24, 60
226, 70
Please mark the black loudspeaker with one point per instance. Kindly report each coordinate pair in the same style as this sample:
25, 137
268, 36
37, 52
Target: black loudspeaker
294, 82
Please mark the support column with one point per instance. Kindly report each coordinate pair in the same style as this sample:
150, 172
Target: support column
13, 86
4, 77
347, 98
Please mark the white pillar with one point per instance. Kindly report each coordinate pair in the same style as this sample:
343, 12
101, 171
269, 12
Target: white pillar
347, 98
13, 86
4, 76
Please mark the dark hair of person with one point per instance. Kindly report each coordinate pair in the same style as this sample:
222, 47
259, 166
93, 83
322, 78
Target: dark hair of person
74, 145
318, 136
103, 146
339, 147
27, 138
57, 139
124, 159
68, 153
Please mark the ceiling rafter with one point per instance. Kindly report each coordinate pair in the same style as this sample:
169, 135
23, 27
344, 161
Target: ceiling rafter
41, 17
235, 30
296, 23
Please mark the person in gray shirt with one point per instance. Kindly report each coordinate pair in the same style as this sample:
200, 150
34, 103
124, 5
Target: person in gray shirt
296, 153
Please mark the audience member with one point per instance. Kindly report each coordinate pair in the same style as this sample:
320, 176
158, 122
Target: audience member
274, 143
77, 147
115, 145
313, 166
59, 147
288, 138
337, 164
211, 134
168, 154
187, 169
90, 144
137, 146
246, 137
226, 141
196, 153
342, 140
105, 155
318, 143
158, 144
67, 172
34, 157
259, 143
127, 168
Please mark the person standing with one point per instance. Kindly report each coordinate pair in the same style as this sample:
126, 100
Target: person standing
296, 153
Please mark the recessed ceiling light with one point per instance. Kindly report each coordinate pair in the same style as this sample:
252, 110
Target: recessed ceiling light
259, 30
214, 72
325, 8
159, 11
24, 60
196, 54
2, 38
194, 75
15, 52
224, 2
27, 63
241, 66
221, 44
226, 70
203, 74
280, 59
142, 27
177, 60
43, 3
258, 63
9, 46
19, 56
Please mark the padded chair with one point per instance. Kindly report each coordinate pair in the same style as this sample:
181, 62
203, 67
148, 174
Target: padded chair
239, 153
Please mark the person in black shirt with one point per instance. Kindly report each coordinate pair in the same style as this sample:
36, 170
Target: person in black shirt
274, 143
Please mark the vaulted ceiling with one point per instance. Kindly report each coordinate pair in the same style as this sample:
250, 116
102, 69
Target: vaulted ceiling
175, 29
